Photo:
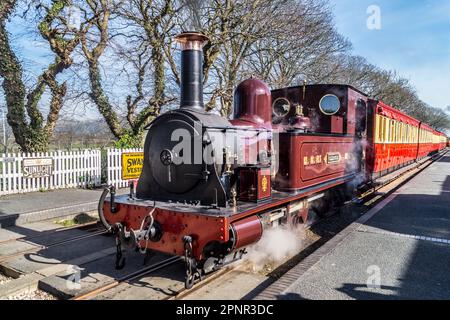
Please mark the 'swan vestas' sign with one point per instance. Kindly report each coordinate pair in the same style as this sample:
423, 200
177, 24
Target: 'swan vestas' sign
132, 163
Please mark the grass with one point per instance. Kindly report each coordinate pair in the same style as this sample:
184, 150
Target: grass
81, 218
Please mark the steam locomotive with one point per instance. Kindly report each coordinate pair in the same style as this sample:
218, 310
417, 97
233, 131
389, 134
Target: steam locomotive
211, 186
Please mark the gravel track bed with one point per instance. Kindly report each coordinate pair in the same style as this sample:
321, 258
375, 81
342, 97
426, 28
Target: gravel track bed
33, 295
4, 279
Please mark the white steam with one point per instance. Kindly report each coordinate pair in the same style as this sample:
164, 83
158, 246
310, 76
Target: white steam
276, 245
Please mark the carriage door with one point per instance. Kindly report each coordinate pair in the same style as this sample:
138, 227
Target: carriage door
361, 133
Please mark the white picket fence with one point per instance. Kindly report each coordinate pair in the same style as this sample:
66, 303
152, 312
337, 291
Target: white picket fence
114, 166
71, 169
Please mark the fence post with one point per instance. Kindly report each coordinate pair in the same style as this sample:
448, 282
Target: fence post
2, 180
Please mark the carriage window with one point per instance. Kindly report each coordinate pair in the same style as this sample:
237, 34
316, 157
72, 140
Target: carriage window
394, 139
402, 126
397, 132
380, 128
392, 132
386, 130
329, 104
281, 107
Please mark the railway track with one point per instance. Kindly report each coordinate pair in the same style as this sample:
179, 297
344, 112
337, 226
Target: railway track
51, 232
129, 277
181, 294
207, 279
37, 248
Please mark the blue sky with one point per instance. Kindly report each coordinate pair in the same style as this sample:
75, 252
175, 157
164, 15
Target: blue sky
414, 40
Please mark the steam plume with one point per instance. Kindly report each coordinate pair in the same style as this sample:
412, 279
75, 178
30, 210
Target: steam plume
275, 246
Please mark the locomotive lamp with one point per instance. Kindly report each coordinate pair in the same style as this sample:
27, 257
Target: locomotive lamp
299, 121
254, 183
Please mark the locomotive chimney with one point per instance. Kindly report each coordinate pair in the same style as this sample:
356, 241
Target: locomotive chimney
191, 69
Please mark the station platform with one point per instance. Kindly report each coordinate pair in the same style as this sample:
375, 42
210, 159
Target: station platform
400, 249
18, 209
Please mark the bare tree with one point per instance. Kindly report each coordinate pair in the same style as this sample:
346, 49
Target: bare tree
304, 39
22, 103
274, 40
233, 27
136, 32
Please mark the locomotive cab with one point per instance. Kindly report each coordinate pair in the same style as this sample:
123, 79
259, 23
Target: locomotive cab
329, 142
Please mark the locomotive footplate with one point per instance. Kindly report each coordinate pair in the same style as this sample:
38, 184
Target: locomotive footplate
241, 209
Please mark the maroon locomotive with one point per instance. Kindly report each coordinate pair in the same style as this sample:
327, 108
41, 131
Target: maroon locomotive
210, 186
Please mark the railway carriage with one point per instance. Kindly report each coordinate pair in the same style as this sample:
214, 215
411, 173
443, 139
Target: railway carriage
439, 141
396, 140
210, 186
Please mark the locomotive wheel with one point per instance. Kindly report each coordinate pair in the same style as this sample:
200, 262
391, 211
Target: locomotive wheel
330, 204
329, 213
296, 220
312, 217
320, 208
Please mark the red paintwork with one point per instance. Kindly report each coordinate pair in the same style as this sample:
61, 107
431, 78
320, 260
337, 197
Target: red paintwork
305, 160
203, 228
247, 231
175, 224
392, 113
440, 145
264, 184
254, 184
337, 125
253, 104
392, 155
343, 122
